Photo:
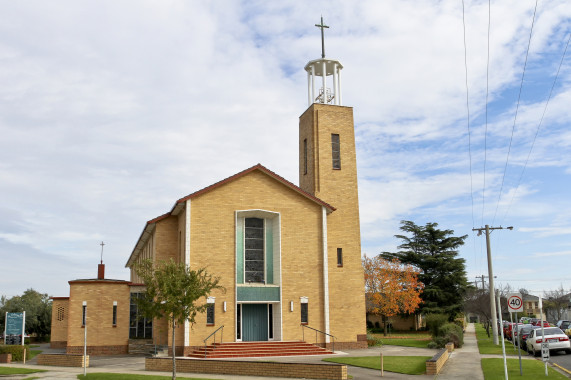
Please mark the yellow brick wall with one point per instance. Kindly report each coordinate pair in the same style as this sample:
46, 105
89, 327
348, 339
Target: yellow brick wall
339, 188
213, 245
61, 360
251, 368
99, 296
59, 327
434, 365
166, 239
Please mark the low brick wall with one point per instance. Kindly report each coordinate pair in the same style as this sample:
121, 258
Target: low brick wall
250, 368
62, 360
435, 364
5, 358
450, 346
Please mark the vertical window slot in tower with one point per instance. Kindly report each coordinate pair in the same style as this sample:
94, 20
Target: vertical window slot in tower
336, 151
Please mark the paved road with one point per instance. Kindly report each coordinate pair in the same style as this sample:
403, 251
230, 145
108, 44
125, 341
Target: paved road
562, 359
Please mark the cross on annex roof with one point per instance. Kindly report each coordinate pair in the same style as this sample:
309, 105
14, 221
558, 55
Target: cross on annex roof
102, 244
322, 26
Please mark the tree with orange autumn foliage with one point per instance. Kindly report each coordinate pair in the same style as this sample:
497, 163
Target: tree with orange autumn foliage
391, 288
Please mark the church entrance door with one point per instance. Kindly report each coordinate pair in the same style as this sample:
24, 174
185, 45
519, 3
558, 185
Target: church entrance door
254, 322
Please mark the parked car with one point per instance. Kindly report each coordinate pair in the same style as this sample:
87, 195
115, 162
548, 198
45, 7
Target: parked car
517, 331
533, 321
561, 322
505, 326
525, 320
524, 334
511, 327
557, 340
538, 323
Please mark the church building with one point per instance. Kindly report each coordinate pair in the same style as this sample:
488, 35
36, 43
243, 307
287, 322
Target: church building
289, 256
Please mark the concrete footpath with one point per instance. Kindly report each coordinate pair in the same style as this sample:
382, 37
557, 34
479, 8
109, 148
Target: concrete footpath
464, 363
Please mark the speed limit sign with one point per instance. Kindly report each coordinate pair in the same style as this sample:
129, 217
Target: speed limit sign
515, 303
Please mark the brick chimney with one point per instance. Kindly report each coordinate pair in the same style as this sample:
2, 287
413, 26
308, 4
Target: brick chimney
100, 271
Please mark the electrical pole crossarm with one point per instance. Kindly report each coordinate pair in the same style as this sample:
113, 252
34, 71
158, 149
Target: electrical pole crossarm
487, 230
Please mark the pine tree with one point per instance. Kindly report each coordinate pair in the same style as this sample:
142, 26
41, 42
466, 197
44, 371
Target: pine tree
434, 252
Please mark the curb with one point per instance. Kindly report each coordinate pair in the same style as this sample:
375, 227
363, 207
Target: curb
561, 368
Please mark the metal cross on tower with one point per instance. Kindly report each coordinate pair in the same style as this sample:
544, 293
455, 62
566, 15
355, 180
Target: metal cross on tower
322, 26
102, 244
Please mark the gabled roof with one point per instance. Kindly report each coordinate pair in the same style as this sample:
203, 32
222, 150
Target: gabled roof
179, 204
264, 170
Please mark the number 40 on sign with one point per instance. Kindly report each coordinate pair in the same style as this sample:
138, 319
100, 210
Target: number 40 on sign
515, 303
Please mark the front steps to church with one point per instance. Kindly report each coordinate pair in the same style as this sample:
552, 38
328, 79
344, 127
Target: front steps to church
258, 349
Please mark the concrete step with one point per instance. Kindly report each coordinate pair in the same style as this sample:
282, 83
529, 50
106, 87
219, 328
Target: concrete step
258, 349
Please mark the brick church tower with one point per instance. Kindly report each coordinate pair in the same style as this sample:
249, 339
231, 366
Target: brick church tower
328, 170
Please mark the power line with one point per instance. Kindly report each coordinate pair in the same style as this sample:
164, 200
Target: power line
516, 112
539, 125
468, 121
486, 129
468, 112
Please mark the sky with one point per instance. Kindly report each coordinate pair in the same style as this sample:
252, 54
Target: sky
110, 111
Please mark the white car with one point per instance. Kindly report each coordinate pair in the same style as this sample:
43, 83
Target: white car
556, 338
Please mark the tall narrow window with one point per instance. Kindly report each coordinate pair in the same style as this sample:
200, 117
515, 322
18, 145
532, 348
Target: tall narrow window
270, 321
336, 151
180, 250
210, 314
339, 257
239, 322
304, 313
114, 313
254, 250
304, 156
84, 314
210, 310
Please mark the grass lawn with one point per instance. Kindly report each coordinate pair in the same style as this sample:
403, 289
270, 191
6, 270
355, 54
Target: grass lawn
486, 345
532, 369
410, 365
123, 376
405, 334
407, 339
18, 371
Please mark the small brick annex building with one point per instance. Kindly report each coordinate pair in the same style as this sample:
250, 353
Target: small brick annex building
287, 255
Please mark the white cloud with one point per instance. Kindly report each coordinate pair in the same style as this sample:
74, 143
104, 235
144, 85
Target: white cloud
110, 111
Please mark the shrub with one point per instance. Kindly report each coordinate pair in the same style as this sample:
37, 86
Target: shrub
432, 344
373, 341
434, 322
16, 351
450, 332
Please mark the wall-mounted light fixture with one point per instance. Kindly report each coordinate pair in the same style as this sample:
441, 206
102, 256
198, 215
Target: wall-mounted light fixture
290, 305
224, 305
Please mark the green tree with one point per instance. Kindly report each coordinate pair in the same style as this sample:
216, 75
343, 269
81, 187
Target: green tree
38, 308
173, 291
434, 252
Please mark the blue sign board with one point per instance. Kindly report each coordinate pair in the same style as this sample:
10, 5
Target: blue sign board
14, 323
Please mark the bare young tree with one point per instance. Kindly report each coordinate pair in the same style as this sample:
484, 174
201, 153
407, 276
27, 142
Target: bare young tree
555, 303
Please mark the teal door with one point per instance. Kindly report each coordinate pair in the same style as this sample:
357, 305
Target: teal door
254, 322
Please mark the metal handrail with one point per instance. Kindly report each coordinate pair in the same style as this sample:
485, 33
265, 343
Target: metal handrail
208, 337
316, 331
